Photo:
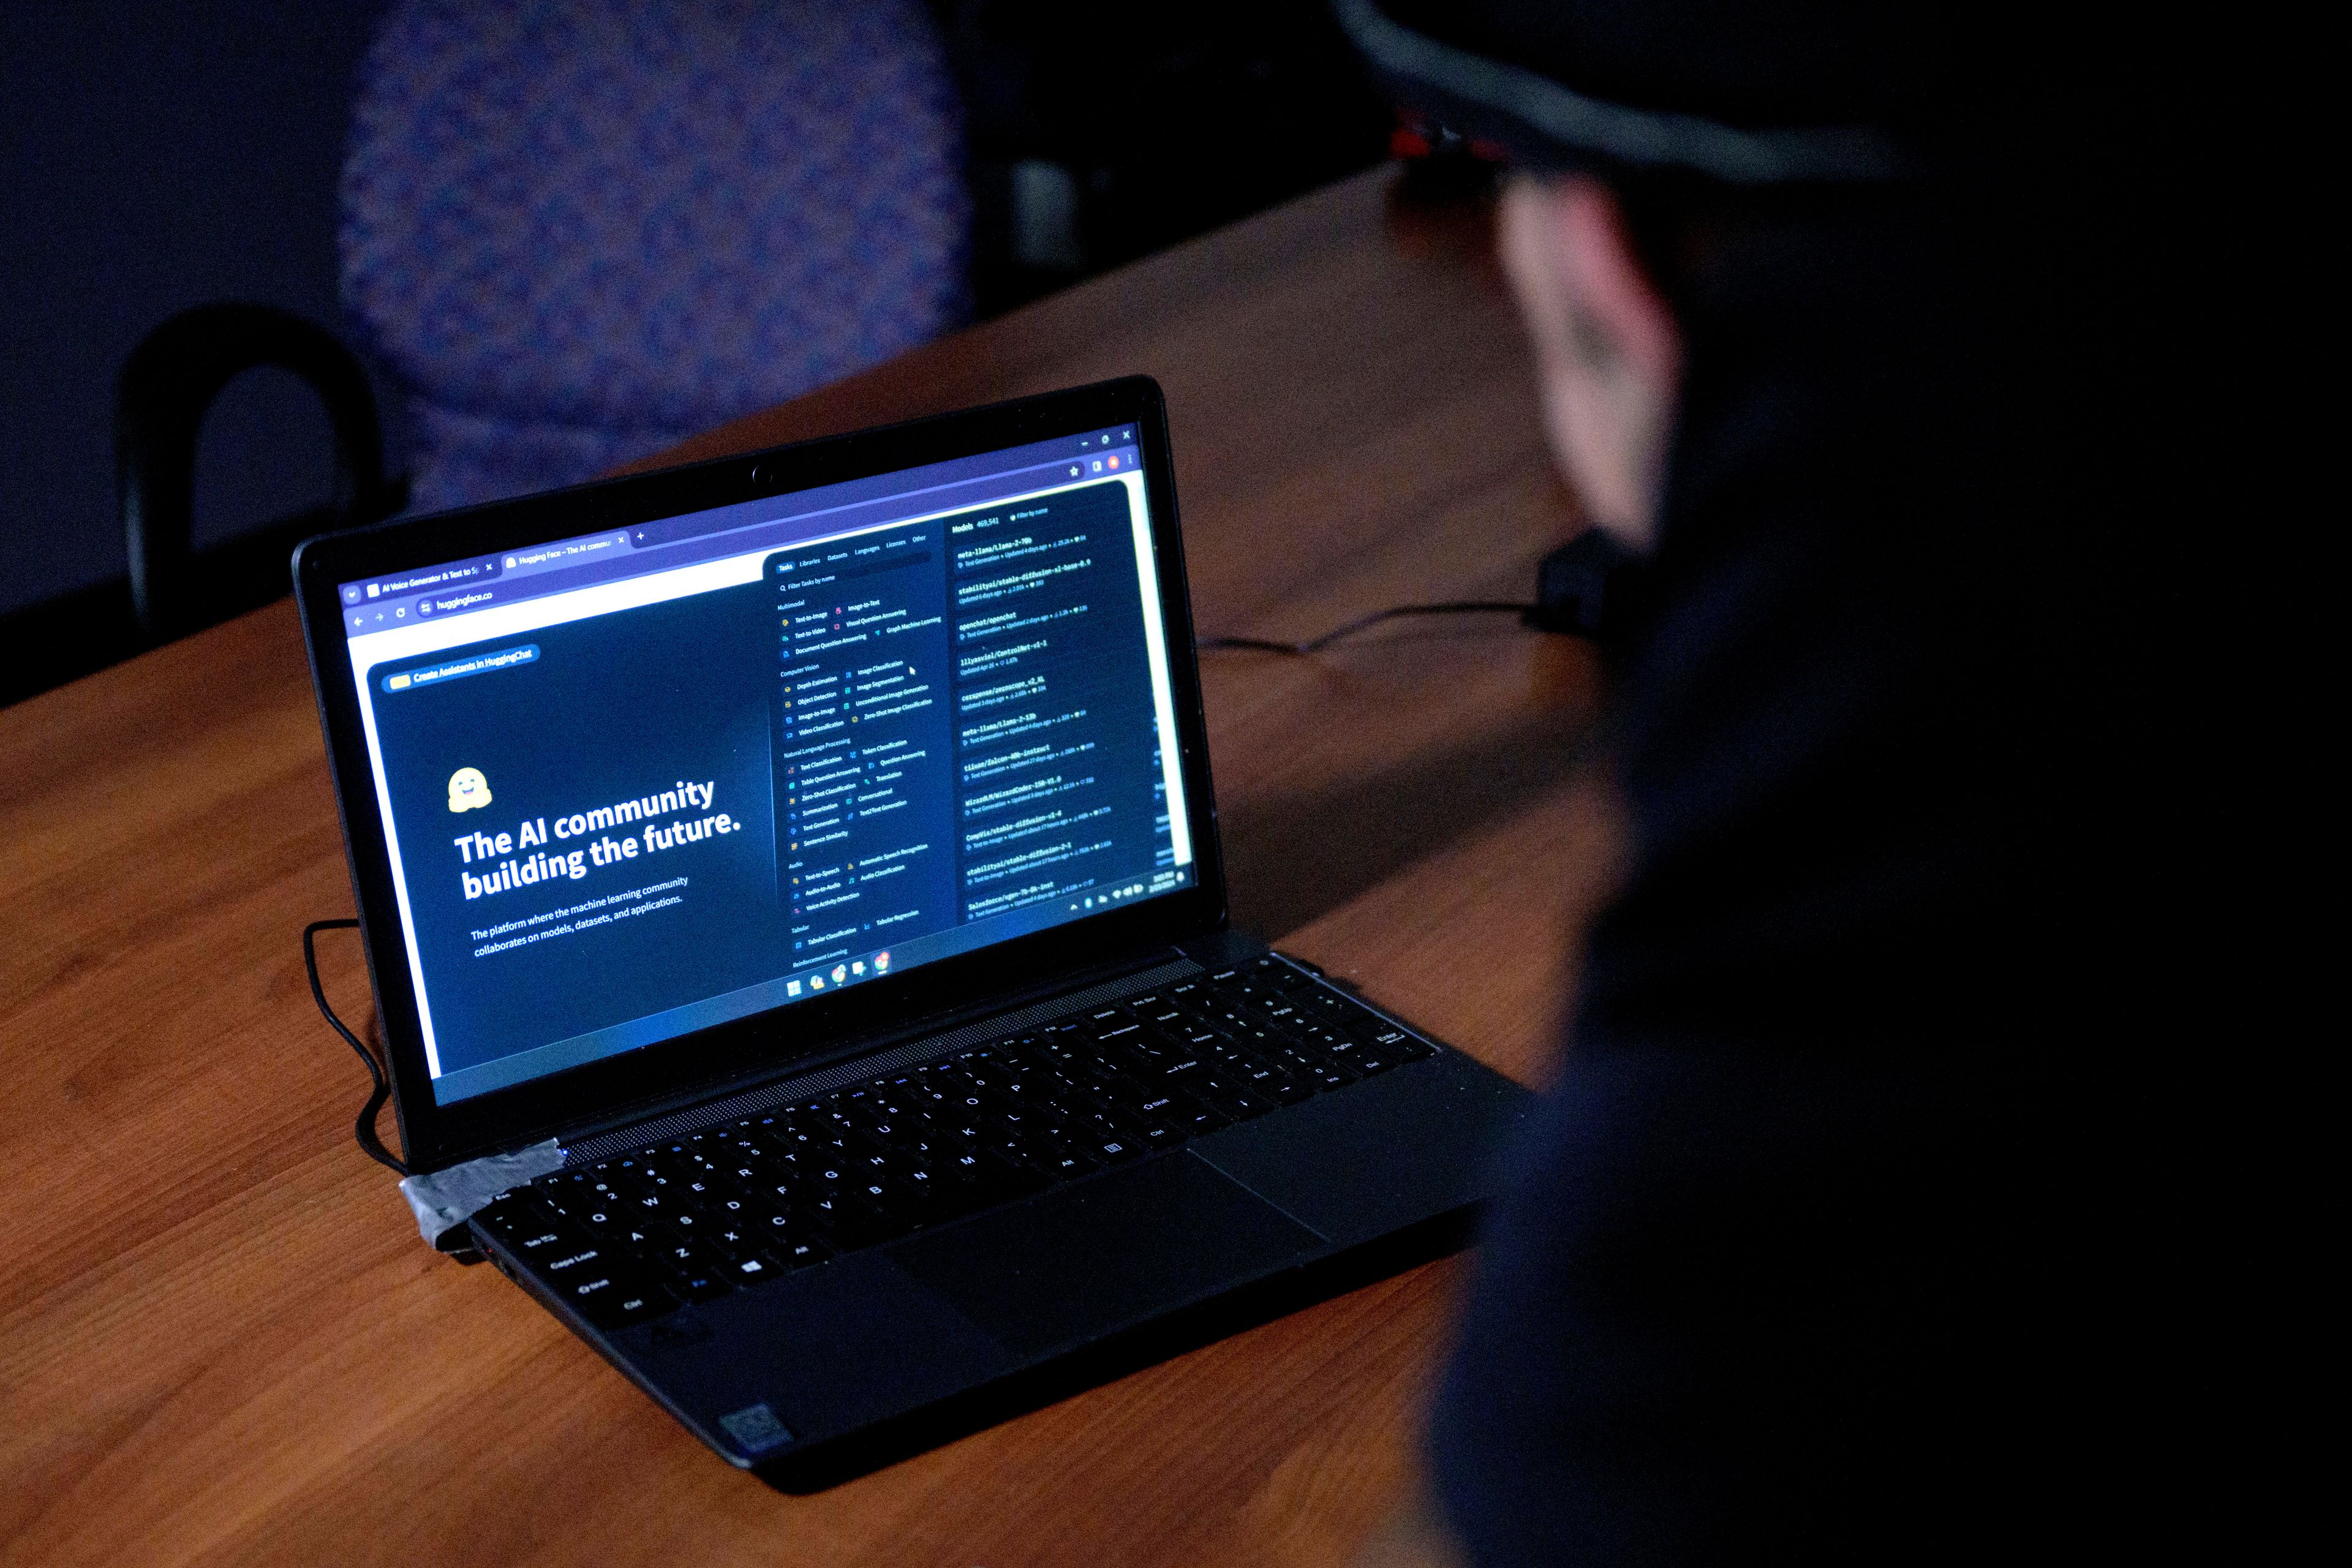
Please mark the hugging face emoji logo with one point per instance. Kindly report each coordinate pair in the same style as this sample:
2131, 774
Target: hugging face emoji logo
468, 790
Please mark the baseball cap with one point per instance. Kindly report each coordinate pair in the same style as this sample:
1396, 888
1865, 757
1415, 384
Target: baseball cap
1777, 92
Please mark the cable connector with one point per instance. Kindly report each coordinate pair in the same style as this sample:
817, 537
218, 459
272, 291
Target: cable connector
1583, 588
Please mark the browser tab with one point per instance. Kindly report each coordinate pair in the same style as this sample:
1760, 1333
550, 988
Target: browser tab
769, 522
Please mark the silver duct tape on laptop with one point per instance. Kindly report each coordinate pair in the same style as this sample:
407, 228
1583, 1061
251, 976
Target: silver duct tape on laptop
446, 1199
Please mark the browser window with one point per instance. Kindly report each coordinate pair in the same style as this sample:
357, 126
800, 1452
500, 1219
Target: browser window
640, 782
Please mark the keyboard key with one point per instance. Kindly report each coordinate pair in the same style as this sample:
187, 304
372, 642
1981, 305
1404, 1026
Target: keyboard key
527, 1231
1225, 1016
627, 1176
1279, 1011
1322, 1040
1268, 970
802, 1253
848, 1222
583, 1262
822, 1171
1242, 1104
1163, 1106
597, 1219
975, 1182
1262, 1038
1150, 1051
1092, 1126
1330, 1006
704, 1284
610, 1291
879, 1163
658, 1207
931, 1094
698, 1273
1196, 1118
767, 1227
1124, 1093
890, 1195
1121, 1032
683, 1255
989, 1180
963, 1135
1067, 1164
1328, 1076
735, 1242
1392, 1042
617, 1303
1275, 1081
755, 1268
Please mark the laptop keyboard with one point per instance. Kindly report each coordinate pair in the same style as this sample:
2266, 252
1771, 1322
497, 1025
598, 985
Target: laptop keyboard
638, 1235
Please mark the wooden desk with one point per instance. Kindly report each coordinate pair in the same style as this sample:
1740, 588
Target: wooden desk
220, 1338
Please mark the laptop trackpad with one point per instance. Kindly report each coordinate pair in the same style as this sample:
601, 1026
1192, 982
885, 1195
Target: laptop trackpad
1086, 1260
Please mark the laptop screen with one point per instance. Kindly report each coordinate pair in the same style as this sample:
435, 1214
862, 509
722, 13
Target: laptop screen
640, 782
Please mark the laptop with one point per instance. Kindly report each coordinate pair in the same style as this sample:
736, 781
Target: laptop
818, 846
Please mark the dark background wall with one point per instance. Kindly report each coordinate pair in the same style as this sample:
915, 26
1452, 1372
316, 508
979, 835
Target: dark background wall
153, 156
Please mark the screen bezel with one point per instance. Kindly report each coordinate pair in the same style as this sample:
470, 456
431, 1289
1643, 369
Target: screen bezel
748, 1049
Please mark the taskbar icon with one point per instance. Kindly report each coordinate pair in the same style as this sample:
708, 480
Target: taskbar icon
849, 972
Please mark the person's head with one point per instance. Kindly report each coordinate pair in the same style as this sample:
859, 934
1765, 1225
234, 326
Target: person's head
1636, 131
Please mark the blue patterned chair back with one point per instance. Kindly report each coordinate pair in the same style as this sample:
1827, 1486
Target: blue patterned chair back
579, 231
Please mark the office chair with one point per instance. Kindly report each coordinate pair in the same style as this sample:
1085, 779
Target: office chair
576, 231
161, 394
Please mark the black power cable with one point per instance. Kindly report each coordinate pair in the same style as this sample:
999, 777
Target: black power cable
1316, 645
1589, 587
370, 1144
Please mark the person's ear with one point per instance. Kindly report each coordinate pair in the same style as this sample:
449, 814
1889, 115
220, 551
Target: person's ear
1608, 349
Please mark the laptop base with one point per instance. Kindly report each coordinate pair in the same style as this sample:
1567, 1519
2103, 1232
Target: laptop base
835, 1369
